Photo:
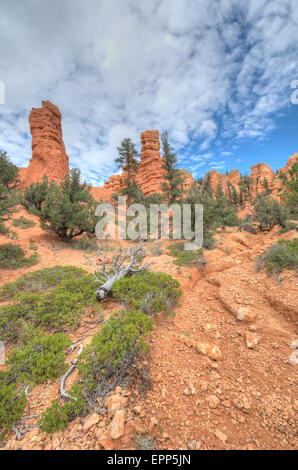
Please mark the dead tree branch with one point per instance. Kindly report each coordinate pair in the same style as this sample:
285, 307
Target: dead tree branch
129, 262
63, 392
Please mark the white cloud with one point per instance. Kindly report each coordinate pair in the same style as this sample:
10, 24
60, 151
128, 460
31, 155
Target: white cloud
203, 70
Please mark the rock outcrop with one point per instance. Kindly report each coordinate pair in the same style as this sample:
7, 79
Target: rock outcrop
262, 177
49, 158
48, 149
150, 172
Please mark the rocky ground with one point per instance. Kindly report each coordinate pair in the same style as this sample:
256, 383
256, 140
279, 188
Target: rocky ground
223, 368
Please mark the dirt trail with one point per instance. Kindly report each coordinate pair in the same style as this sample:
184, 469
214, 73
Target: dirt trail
245, 400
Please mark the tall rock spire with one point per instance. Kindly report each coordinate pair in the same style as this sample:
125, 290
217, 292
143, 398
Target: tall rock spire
48, 149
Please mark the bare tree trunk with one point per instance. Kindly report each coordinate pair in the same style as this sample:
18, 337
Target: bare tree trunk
122, 264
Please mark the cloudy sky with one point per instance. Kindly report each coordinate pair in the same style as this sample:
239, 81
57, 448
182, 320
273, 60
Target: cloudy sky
216, 74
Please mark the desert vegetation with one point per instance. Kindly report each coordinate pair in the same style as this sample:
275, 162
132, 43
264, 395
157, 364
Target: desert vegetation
67, 209
122, 301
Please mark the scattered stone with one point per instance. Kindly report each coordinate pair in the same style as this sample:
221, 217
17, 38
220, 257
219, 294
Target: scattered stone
246, 314
188, 342
251, 339
192, 445
90, 421
117, 425
152, 424
213, 401
294, 358
221, 436
113, 403
243, 404
210, 350
252, 328
105, 441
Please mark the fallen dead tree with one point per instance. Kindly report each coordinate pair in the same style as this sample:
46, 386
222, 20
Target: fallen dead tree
122, 264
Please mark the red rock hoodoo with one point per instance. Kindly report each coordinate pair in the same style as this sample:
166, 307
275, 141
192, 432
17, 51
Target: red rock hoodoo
49, 158
48, 149
150, 172
262, 177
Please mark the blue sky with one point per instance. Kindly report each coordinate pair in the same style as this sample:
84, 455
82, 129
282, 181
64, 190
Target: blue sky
216, 74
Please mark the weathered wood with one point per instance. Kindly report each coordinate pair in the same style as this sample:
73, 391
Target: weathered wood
129, 262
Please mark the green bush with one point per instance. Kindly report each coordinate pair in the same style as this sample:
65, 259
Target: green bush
41, 281
247, 227
39, 359
13, 257
120, 340
3, 229
13, 402
104, 363
281, 255
85, 244
156, 249
57, 416
22, 222
57, 310
183, 257
288, 227
152, 292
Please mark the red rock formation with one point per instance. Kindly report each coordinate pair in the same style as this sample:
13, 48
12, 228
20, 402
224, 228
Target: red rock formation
48, 149
261, 177
217, 178
150, 172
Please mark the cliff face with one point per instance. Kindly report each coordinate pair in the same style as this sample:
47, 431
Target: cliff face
150, 172
48, 149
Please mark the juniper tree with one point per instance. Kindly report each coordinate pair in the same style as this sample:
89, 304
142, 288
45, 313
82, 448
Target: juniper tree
268, 212
35, 195
66, 209
173, 185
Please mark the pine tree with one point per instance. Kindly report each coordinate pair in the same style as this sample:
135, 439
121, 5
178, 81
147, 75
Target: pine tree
173, 185
128, 163
235, 196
